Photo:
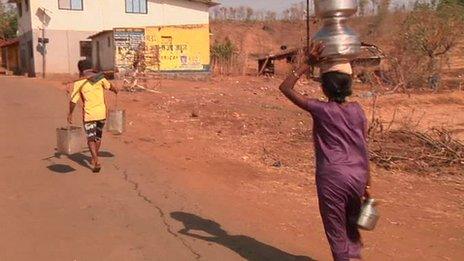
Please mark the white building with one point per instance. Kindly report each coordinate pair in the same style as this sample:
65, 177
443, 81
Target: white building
69, 23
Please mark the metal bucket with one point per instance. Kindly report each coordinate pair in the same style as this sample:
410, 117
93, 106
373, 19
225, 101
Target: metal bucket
369, 216
69, 140
116, 121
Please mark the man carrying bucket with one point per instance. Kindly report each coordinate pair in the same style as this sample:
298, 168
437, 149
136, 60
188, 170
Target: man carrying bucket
91, 90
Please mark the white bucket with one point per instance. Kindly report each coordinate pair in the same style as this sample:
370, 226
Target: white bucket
116, 121
69, 140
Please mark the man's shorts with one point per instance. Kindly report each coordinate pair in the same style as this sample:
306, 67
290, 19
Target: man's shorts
94, 130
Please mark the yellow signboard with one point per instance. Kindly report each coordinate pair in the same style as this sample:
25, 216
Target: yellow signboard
181, 48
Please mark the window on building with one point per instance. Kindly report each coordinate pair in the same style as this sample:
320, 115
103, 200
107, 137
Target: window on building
136, 6
109, 41
71, 4
85, 48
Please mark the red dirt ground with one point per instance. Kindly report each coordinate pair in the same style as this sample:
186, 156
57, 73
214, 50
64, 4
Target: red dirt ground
240, 141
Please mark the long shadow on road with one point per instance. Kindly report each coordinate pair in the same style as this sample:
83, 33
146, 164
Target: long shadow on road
79, 158
247, 247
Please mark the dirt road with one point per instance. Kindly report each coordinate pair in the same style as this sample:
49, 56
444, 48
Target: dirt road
53, 208
165, 192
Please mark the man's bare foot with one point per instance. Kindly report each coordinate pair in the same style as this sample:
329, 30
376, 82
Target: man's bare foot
96, 166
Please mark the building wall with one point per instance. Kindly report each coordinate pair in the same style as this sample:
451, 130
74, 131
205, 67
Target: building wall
106, 14
27, 53
106, 51
66, 28
63, 50
25, 21
181, 48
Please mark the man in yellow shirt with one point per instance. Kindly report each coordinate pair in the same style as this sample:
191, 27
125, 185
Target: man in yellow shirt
91, 91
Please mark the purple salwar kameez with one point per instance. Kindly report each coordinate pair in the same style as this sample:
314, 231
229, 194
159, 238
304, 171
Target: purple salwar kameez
341, 172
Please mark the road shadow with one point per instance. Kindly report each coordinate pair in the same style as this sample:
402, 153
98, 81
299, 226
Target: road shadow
247, 247
61, 168
105, 154
102, 154
79, 158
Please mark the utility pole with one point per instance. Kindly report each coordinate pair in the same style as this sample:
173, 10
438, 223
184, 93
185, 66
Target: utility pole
42, 40
44, 52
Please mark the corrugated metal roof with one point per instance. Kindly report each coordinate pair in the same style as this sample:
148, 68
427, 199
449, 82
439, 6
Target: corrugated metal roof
100, 33
207, 2
8, 42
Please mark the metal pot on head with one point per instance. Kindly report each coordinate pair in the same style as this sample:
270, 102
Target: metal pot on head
341, 42
335, 8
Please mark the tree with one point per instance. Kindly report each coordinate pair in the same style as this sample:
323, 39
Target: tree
270, 16
375, 5
296, 12
362, 7
8, 22
429, 33
249, 13
382, 12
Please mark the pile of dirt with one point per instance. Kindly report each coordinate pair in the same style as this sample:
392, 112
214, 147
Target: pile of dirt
433, 153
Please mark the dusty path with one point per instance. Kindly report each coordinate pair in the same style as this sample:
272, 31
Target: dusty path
148, 194
53, 208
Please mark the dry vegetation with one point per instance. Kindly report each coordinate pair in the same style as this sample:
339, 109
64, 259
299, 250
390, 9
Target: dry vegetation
434, 152
420, 42
423, 53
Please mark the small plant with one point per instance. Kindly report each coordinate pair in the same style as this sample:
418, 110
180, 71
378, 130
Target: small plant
223, 51
8, 22
223, 55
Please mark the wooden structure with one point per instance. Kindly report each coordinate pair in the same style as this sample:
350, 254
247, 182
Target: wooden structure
266, 64
370, 56
10, 55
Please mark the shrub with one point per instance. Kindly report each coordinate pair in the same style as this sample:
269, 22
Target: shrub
427, 35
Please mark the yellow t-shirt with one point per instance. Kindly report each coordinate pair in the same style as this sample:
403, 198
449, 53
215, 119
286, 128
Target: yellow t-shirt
93, 98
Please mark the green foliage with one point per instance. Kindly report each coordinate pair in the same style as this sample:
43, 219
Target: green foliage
8, 22
223, 51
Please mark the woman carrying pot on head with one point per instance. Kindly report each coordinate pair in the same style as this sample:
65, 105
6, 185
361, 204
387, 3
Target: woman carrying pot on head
342, 165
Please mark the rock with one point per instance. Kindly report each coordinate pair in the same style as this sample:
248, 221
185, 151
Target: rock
277, 164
